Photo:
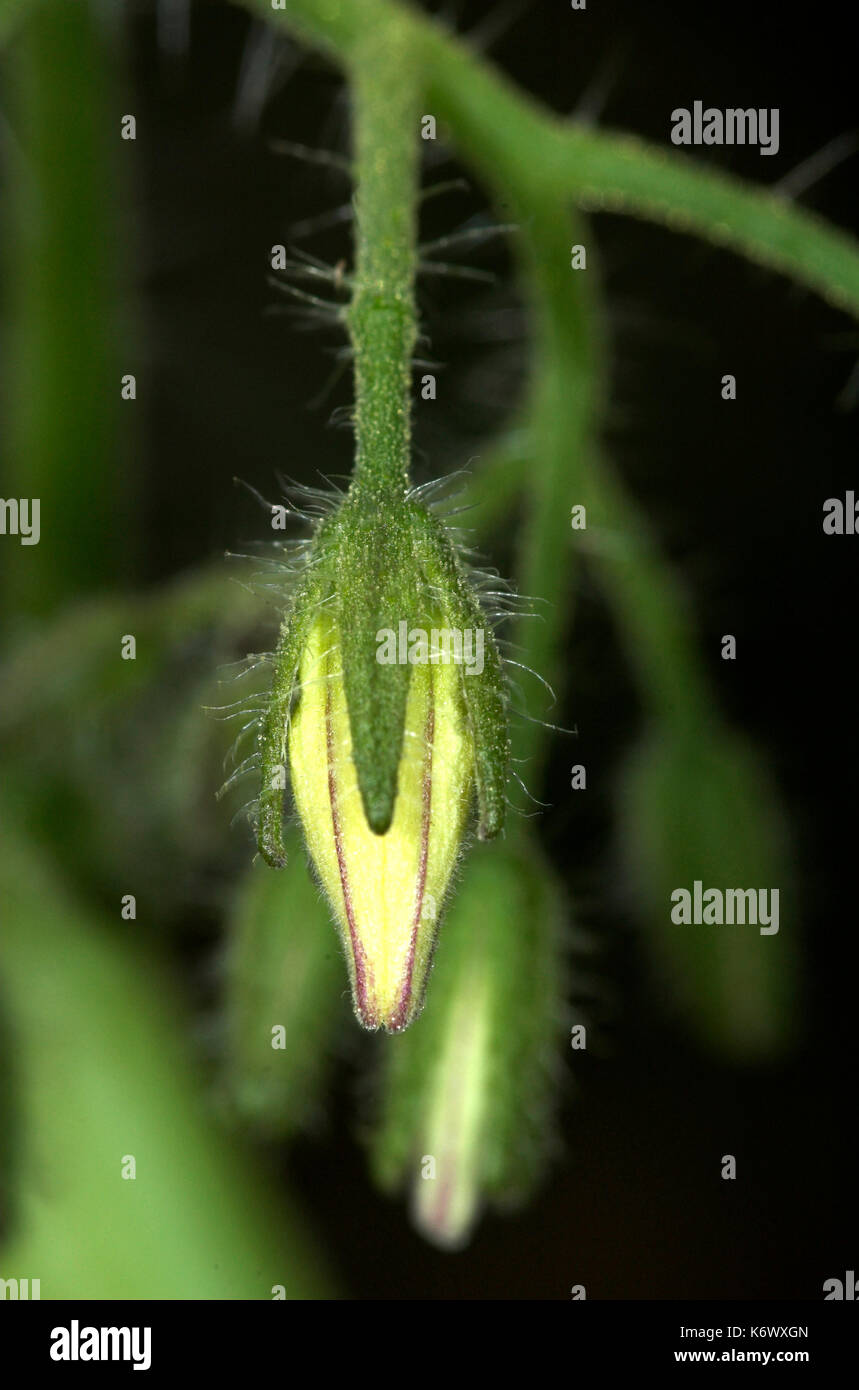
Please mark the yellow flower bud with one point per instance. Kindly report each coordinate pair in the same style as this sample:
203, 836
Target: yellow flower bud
385, 889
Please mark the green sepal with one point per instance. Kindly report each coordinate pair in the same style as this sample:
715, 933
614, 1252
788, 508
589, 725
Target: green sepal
484, 695
378, 586
274, 729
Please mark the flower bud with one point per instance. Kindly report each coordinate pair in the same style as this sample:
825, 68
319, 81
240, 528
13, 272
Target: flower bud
385, 747
384, 888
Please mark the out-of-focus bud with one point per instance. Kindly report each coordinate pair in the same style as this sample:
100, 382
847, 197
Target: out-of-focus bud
466, 1109
703, 809
283, 998
384, 888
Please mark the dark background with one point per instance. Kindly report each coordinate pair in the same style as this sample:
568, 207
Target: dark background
635, 1207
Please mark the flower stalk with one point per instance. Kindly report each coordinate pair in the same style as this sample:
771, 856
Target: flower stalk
381, 317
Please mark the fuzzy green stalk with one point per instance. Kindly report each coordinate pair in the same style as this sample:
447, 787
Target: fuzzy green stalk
381, 317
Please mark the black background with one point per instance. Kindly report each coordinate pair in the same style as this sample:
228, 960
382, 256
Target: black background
635, 1208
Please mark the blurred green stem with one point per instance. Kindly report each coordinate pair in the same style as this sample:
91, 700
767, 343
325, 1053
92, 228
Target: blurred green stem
565, 407
63, 387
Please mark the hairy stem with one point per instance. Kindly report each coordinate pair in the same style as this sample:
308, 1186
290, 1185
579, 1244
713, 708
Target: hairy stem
382, 317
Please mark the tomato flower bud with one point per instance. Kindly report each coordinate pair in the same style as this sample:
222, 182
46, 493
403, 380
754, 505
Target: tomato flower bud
389, 731
385, 888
